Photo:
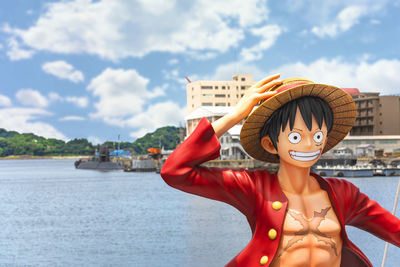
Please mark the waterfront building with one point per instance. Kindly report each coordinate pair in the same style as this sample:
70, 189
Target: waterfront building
376, 130
376, 115
378, 145
212, 113
208, 93
231, 147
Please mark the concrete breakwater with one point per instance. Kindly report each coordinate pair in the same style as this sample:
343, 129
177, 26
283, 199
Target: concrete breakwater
249, 164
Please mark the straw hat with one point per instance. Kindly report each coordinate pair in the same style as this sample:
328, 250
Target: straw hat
343, 108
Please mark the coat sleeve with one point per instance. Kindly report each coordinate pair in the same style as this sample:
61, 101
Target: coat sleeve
182, 171
368, 215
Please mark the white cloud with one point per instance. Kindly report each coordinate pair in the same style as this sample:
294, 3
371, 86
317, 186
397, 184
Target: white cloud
157, 115
16, 53
72, 118
5, 101
63, 70
30, 97
226, 71
120, 94
268, 35
375, 21
173, 61
95, 140
81, 102
55, 97
346, 19
175, 76
25, 120
118, 29
1, 46
379, 76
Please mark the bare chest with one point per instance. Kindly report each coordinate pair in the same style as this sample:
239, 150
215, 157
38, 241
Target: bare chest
311, 233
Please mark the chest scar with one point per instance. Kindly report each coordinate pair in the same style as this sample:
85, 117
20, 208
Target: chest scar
310, 226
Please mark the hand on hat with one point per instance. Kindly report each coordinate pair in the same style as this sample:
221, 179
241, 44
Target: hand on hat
253, 95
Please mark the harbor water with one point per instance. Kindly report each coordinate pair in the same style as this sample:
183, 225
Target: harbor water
54, 215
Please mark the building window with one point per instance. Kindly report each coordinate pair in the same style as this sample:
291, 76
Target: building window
242, 87
380, 123
229, 104
206, 104
243, 79
216, 87
237, 87
207, 95
220, 95
206, 87
229, 87
241, 95
380, 114
220, 104
223, 87
192, 89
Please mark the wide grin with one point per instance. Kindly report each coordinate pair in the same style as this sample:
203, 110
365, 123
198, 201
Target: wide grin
304, 156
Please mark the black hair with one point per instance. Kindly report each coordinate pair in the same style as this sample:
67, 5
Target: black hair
308, 105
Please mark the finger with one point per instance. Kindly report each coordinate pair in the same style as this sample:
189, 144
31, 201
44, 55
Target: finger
266, 95
267, 80
268, 86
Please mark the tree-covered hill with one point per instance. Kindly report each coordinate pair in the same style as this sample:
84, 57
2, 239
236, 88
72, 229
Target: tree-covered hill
167, 137
13, 143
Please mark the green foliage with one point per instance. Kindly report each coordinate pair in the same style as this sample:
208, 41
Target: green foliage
166, 137
13, 143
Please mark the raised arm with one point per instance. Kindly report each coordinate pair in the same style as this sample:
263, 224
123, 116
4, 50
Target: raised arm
253, 95
182, 169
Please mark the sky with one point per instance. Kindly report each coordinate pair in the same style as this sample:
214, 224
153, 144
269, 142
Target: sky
99, 69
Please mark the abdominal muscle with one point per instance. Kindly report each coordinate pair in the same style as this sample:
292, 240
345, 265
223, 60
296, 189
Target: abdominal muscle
309, 252
311, 235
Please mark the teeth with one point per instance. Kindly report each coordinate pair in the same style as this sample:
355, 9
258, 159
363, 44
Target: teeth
304, 156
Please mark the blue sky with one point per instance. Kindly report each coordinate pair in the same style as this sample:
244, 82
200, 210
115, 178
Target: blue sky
97, 69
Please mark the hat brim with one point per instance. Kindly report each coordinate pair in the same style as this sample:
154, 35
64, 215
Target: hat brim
341, 103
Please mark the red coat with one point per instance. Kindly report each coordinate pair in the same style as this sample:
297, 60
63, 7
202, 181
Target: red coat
253, 192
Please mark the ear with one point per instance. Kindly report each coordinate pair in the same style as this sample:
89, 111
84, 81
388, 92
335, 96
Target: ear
266, 143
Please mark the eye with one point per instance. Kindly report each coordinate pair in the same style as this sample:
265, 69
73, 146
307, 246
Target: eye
294, 138
318, 136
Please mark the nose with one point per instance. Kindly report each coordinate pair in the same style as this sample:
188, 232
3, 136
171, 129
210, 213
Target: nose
309, 141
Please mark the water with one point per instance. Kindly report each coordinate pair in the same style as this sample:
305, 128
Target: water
54, 215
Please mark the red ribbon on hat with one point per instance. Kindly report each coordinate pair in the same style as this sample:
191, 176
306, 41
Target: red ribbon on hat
287, 87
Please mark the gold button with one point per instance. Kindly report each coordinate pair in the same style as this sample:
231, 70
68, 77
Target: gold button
263, 260
272, 234
277, 205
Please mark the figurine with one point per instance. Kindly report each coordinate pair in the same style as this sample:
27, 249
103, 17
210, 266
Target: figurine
297, 218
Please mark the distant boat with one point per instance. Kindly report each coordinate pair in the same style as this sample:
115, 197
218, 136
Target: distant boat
101, 162
152, 162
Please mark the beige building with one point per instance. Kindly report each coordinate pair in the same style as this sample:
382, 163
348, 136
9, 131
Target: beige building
210, 112
217, 93
376, 115
380, 144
